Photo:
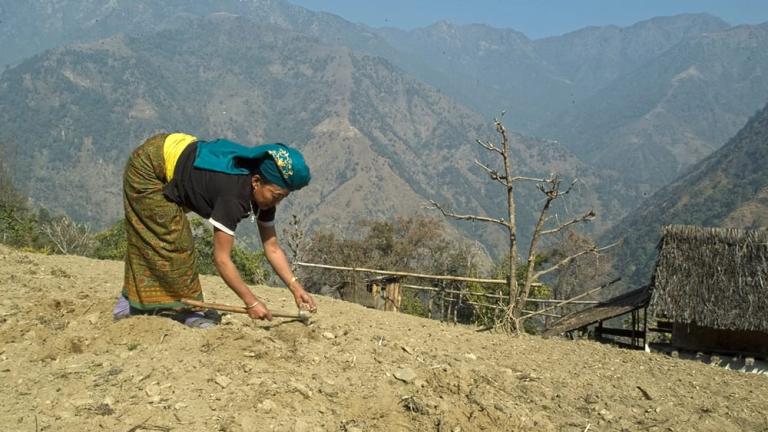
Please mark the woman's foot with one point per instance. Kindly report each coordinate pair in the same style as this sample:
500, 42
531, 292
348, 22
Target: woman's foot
122, 309
202, 320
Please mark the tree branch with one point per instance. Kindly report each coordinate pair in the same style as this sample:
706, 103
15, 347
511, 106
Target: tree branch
468, 217
585, 218
493, 173
491, 147
532, 179
568, 259
573, 183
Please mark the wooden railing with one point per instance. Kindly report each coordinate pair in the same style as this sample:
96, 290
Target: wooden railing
392, 291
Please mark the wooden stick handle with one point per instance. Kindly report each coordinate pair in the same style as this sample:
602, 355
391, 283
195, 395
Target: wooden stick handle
235, 309
217, 306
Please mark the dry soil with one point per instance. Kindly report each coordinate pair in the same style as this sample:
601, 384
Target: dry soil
66, 366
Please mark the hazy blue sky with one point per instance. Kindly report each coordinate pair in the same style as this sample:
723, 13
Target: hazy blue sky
535, 18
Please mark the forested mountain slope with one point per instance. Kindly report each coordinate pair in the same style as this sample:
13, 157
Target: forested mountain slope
727, 189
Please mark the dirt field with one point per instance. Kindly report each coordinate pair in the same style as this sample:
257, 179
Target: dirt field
66, 366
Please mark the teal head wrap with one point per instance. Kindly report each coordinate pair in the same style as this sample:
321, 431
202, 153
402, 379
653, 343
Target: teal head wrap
285, 168
277, 163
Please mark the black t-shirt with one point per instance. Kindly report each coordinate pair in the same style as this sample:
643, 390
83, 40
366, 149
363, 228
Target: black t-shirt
223, 199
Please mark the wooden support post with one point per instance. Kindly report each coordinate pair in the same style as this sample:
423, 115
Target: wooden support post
634, 327
645, 328
599, 330
393, 294
441, 293
456, 304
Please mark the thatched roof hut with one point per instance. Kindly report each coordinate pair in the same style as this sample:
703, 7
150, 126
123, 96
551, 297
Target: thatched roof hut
712, 277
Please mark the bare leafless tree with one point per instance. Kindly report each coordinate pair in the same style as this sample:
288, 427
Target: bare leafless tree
296, 240
551, 188
68, 236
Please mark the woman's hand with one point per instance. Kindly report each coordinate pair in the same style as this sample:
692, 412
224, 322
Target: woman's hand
304, 301
260, 312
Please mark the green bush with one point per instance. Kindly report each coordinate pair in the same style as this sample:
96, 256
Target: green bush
110, 244
19, 226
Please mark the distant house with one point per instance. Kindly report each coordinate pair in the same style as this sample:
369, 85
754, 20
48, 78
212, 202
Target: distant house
712, 285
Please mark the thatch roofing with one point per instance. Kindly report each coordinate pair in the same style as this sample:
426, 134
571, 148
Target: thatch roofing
713, 277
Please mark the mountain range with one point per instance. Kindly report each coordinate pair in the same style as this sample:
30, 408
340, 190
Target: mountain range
380, 143
657, 120
388, 116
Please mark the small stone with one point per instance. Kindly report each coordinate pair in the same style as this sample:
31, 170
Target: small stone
93, 318
152, 389
255, 380
141, 378
606, 415
180, 405
470, 356
749, 361
591, 398
303, 390
329, 335
223, 381
266, 406
406, 375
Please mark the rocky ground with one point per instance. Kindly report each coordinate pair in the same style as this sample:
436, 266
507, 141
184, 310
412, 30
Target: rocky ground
66, 366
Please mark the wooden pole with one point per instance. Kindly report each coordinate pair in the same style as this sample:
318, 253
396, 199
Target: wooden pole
498, 296
455, 303
399, 273
594, 290
645, 327
504, 307
442, 305
302, 315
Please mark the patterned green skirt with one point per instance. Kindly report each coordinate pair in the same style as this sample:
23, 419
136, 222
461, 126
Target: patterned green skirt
160, 264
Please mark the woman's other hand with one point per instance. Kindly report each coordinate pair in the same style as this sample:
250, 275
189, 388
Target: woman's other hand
304, 301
